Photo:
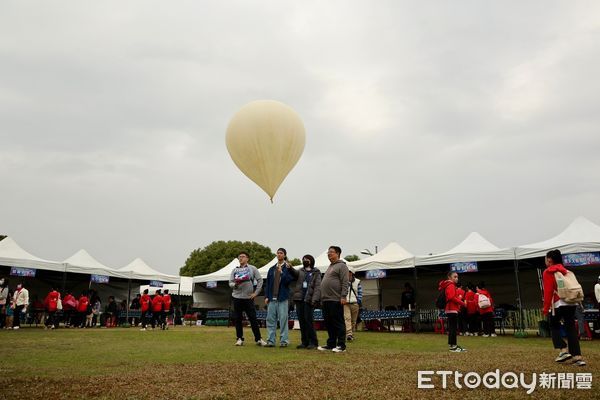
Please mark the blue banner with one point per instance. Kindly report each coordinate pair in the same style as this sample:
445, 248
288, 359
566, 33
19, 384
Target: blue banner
581, 259
462, 267
376, 274
26, 272
156, 284
211, 284
99, 278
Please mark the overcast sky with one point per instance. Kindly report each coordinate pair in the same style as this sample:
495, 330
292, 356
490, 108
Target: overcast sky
424, 121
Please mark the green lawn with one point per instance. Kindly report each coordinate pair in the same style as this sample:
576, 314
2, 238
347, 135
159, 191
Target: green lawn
202, 362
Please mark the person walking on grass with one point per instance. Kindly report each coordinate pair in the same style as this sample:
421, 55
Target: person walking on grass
307, 295
485, 303
353, 303
242, 282
277, 294
157, 310
145, 302
51, 304
473, 325
559, 311
453, 306
166, 309
82, 310
334, 290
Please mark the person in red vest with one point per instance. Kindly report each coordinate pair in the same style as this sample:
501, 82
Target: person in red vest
157, 309
486, 310
82, 310
145, 302
561, 311
51, 303
166, 309
453, 306
472, 311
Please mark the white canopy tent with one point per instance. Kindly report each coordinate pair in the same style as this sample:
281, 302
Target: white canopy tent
264, 270
219, 275
139, 270
13, 255
185, 288
473, 248
392, 256
83, 263
580, 236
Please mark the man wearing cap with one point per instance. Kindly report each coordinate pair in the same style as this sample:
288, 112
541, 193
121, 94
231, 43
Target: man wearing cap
353, 303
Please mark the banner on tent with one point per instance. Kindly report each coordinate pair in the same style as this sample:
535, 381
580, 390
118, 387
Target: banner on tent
581, 259
26, 272
211, 284
376, 274
99, 278
462, 267
156, 284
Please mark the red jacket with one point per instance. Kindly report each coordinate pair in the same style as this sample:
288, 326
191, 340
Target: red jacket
453, 301
51, 300
167, 302
461, 294
157, 303
145, 301
69, 302
471, 300
83, 304
550, 288
489, 296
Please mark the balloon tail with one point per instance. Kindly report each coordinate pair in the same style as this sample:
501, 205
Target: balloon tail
271, 200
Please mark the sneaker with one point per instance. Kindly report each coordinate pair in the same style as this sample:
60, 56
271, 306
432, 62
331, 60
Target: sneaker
16, 327
579, 363
476, 334
311, 347
239, 342
143, 329
324, 348
493, 335
461, 334
486, 335
301, 346
563, 356
284, 344
350, 338
339, 349
261, 342
269, 344
457, 349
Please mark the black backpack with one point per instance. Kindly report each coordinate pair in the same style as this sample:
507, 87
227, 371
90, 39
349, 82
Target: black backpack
440, 303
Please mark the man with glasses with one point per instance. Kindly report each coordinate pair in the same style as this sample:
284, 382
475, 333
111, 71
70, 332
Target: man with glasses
334, 291
242, 280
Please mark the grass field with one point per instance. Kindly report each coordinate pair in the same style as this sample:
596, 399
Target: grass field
203, 363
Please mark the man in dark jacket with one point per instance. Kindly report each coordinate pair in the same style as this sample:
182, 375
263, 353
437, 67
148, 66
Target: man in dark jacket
277, 294
334, 289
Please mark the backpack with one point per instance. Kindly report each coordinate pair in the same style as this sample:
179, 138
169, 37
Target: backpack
568, 289
484, 302
440, 303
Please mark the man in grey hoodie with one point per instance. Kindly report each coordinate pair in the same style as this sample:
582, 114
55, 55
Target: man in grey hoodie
242, 280
334, 291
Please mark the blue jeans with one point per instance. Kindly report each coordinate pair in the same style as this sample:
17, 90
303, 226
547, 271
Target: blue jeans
277, 311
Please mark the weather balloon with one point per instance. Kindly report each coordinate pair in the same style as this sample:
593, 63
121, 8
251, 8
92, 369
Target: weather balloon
265, 139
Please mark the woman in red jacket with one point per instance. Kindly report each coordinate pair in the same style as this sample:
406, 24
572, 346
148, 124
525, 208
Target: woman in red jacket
51, 303
561, 311
453, 306
472, 311
157, 309
82, 310
486, 310
145, 302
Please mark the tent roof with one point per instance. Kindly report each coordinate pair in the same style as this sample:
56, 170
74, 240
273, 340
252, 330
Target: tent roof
139, 270
83, 263
264, 270
13, 255
580, 236
219, 275
392, 256
186, 288
473, 248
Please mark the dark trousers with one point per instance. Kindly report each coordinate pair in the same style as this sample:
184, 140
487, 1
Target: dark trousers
487, 320
474, 324
245, 306
156, 319
81, 318
333, 315
462, 321
452, 327
2, 316
566, 314
144, 318
17, 316
307, 328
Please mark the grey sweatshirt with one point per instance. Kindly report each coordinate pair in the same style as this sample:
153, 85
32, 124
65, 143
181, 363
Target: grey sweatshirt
334, 285
242, 279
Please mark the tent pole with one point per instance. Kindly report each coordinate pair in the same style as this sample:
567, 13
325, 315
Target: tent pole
128, 297
415, 291
64, 280
521, 329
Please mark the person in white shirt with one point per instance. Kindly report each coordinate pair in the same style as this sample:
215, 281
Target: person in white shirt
20, 302
597, 293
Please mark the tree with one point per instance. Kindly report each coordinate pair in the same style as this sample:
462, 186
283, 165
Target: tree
352, 257
295, 261
218, 254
